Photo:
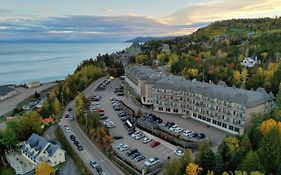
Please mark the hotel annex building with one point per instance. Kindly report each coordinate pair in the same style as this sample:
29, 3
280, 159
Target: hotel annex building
220, 106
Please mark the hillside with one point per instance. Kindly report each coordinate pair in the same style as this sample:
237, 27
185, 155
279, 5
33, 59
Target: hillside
215, 53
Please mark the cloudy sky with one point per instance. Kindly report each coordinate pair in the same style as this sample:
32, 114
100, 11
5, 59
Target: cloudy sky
119, 20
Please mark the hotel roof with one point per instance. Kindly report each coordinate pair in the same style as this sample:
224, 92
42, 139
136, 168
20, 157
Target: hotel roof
248, 98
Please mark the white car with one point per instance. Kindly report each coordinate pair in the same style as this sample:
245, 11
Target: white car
172, 128
187, 132
178, 130
124, 147
67, 129
135, 133
151, 162
179, 152
146, 140
120, 145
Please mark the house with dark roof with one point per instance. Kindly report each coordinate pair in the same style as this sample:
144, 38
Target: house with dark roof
37, 149
226, 108
6, 92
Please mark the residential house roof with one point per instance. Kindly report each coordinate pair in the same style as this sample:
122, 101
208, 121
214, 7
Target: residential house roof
5, 90
47, 120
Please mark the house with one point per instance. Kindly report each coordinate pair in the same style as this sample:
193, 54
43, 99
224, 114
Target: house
166, 48
249, 62
6, 92
221, 38
47, 121
34, 84
37, 149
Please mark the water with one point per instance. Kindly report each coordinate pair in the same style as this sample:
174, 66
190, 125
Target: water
46, 62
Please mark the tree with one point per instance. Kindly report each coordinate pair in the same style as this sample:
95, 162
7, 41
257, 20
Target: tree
256, 173
141, 58
162, 57
278, 98
206, 158
8, 137
44, 169
267, 125
236, 77
173, 58
173, 167
185, 160
56, 106
251, 163
270, 151
80, 105
29, 123
193, 169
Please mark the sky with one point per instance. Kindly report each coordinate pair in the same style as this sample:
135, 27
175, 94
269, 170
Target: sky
119, 20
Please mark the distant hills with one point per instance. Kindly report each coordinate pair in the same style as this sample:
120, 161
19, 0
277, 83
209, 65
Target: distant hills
146, 39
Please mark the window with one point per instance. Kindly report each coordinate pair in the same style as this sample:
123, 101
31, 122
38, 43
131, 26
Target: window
224, 125
230, 127
208, 120
204, 118
237, 129
219, 123
160, 108
199, 116
214, 122
168, 109
194, 115
175, 110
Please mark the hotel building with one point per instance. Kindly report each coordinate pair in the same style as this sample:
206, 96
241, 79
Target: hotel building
220, 106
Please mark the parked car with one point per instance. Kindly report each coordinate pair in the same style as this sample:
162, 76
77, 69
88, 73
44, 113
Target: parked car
72, 137
179, 152
69, 109
139, 158
99, 169
66, 116
154, 144
135, 155
146, 140
125, 147
80, 148
93, 163
71, 118
68, 130
120, 94
76, 142
152, 161
132, 151
117, 137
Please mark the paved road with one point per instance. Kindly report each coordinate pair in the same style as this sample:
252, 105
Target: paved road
90, 152
23, 93
69, 168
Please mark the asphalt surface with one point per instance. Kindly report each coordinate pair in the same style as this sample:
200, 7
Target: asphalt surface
215, 136
23, 93
90, 152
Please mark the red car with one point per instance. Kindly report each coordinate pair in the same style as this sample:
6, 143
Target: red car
154, 144
99, 110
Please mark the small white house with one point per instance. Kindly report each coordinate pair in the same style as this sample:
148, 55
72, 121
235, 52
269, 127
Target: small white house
37, 149
249, 62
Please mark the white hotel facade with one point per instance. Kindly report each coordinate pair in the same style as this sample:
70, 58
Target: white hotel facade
222, 107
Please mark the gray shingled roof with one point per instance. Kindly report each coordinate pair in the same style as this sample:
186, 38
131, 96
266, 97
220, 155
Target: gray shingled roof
39, 143
5, 89
235, 95
142, 72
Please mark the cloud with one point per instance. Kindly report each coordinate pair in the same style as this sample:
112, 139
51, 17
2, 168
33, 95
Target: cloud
223, 9
90, 28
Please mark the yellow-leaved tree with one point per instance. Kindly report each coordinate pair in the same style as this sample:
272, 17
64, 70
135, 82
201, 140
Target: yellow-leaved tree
266, 126
193, 169
44, 169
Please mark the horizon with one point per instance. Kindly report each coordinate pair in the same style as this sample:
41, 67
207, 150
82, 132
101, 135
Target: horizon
111, 21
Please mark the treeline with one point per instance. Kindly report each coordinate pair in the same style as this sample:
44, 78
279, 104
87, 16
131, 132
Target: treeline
91, 124
256, 152
204, 56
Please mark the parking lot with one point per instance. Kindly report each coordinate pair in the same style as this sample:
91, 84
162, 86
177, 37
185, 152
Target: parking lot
162, 151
